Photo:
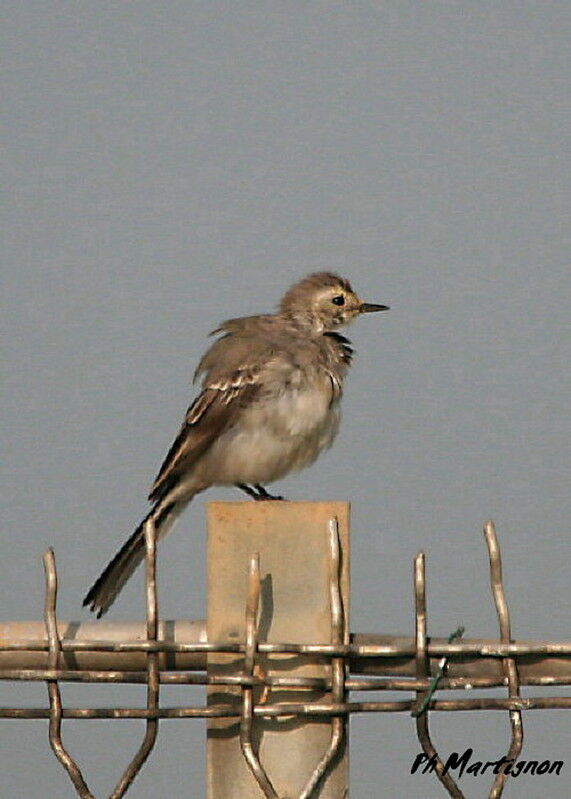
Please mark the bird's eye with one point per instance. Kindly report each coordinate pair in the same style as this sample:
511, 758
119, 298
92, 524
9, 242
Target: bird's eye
338, 300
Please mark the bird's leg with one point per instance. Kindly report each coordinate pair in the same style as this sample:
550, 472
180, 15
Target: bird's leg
248, 490
263, 494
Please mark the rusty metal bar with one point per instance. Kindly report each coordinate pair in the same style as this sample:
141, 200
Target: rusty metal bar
338, 723
318, 683
510, 668
362, 647
422, 664
152, 667
55, 711
247, 716
283, 709
471, 671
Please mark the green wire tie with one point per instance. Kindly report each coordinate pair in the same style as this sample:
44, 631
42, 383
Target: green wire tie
437, 677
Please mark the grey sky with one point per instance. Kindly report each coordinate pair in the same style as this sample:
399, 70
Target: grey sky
170, 165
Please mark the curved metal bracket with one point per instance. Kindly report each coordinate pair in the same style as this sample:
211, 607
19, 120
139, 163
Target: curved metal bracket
54, 694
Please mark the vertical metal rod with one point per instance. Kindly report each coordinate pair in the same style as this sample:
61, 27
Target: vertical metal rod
247, 717
423, 670
152, 724
509, 664
55, 738
338, 723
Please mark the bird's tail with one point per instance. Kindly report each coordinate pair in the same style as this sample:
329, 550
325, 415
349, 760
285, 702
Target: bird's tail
104, 590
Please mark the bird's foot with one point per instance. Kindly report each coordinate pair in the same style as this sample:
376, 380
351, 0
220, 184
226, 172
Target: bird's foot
263, 494
257, 492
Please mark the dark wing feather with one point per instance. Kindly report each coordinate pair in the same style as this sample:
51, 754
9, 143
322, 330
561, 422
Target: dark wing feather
208, 416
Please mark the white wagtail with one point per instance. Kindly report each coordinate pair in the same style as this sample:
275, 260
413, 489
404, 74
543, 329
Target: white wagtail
269, 404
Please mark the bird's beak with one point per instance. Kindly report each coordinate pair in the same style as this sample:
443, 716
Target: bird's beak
371, 307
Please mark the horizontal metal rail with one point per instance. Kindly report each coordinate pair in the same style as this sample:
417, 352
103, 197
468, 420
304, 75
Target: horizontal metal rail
436, 648
316, 683
292, 708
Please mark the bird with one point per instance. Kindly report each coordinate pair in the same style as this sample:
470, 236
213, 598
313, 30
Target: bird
269, 404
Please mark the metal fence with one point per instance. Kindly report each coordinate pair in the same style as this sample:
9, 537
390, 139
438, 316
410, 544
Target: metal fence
176, 653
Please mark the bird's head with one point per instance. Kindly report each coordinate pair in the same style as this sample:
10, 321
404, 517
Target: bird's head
325, 301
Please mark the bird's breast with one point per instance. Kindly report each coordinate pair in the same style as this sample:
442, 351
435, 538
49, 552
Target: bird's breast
299, 409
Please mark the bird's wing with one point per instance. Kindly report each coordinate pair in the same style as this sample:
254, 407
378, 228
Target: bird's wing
210, 413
